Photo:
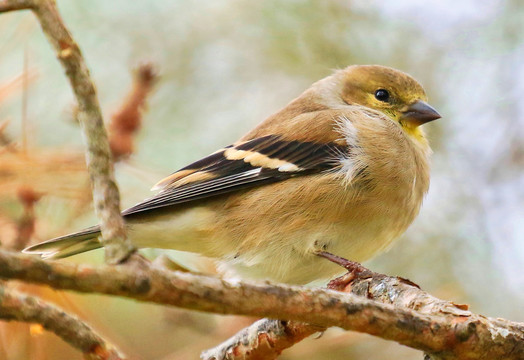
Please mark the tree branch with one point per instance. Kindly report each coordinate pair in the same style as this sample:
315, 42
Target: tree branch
17, 307
106, 197
267, 338
431, 325
264, 339
12, 5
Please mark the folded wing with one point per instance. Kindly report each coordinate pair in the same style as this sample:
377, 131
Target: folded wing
252, 163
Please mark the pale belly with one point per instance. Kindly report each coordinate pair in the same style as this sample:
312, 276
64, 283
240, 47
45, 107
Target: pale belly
295, 261
278, 248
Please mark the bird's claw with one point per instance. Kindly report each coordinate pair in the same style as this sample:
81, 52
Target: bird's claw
355, 271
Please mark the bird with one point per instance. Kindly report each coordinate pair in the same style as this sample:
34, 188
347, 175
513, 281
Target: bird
342, 169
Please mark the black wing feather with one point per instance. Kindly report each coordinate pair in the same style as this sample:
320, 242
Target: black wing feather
233, 175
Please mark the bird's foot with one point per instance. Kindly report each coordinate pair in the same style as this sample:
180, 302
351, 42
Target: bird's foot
355, 271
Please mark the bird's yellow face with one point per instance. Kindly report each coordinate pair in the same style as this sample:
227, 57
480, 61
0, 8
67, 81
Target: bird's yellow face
389, 91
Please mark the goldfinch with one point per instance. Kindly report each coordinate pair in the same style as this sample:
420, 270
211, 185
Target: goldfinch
342, 169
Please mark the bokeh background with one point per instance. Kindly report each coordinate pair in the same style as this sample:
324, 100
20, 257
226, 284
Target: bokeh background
222, 67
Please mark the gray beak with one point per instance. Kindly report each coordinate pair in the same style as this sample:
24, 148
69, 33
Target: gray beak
419, 113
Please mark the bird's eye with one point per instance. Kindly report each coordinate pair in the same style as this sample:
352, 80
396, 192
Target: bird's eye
382, 95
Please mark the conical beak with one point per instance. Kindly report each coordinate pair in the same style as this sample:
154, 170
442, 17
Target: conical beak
419, 113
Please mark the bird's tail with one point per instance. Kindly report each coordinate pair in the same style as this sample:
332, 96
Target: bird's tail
67, 245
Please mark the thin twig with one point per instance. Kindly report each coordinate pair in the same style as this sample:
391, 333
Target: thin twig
18, 307
105, 192
12, 5
435, 326
106, 196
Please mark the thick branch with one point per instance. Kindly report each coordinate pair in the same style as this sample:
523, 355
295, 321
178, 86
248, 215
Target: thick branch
267, 338
105, 192
18, 307
434, 327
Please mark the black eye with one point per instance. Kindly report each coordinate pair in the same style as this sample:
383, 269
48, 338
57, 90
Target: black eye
382, 95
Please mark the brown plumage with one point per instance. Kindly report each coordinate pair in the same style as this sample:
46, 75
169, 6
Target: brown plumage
342, 168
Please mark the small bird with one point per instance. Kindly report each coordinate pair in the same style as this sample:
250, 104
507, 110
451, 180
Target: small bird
341, 169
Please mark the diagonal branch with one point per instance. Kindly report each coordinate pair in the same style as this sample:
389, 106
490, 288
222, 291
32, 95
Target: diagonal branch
18, 307
105, 192
12, 5
429, 324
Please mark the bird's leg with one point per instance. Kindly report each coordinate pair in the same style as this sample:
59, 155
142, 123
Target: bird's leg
351, 266
355, 271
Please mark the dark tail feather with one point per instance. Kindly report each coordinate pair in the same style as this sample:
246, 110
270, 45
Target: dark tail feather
67, 245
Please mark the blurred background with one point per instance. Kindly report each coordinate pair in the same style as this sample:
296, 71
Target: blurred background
178, 75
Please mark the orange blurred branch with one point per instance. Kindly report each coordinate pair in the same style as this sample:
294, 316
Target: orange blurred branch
18, 307
127, 120
26, 224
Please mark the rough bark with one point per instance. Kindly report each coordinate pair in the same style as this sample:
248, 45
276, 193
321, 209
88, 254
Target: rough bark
391, 308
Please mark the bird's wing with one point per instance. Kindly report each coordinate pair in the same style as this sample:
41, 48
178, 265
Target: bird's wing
251, 163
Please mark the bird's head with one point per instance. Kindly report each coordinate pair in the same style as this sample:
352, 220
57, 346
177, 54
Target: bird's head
390, 91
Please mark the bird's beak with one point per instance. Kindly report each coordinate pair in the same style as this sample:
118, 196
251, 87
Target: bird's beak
419, 113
